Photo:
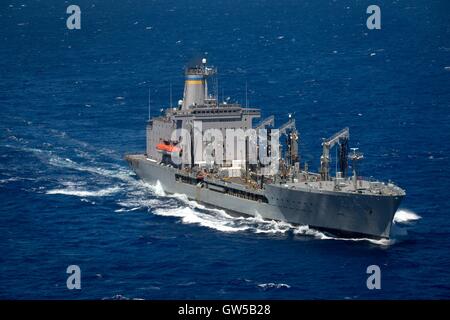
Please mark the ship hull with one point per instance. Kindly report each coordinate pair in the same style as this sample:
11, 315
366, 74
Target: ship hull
349, 215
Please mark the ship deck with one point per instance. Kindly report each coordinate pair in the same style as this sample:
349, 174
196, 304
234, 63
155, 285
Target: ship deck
348, 186
307, 181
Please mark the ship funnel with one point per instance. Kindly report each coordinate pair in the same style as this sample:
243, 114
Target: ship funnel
196, 85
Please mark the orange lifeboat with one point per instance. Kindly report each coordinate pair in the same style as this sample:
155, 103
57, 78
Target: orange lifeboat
168, 148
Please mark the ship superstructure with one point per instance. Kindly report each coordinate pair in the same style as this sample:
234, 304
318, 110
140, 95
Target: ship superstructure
184, 154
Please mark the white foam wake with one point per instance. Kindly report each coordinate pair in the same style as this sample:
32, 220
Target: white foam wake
271, 285
405, 216
190, 216
307, 231
115, 172
84, 193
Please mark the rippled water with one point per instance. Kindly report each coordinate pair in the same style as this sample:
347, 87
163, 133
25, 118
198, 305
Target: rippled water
73, 103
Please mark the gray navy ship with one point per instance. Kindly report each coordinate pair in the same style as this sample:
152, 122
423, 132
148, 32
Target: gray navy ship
344, 204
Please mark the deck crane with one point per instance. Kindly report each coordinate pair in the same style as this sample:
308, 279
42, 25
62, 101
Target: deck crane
270, 121
290, 131
340, 137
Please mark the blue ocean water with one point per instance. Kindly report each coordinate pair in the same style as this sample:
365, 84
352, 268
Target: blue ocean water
73, 102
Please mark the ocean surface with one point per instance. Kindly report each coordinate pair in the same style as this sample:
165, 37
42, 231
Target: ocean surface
73, 102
